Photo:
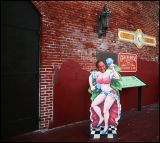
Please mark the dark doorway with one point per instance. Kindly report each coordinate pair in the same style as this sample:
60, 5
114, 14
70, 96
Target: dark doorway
20, 26
103, 55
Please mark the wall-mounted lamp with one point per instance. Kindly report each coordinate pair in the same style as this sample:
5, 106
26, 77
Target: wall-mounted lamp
103, 21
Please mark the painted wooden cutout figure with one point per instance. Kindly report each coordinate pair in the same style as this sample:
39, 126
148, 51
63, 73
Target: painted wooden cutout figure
105, 108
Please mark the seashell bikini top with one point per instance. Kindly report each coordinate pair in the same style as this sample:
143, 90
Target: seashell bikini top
103, 78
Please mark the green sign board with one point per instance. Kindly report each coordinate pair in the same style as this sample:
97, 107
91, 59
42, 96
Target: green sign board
131, 81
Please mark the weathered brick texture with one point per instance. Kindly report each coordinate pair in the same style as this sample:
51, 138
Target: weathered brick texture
69, 31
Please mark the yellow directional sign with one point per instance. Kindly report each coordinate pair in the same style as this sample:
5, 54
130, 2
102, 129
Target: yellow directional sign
137, 37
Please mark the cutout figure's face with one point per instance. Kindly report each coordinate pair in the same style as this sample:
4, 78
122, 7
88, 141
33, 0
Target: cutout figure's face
101, 67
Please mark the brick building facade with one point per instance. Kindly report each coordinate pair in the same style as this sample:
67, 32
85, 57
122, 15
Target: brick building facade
69, 35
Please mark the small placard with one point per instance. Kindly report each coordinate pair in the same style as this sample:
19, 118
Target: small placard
127, 62
131, 81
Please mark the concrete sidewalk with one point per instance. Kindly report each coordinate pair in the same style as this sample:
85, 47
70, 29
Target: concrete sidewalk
134, 126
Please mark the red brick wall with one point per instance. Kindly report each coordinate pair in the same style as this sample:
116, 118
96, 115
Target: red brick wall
69, 32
